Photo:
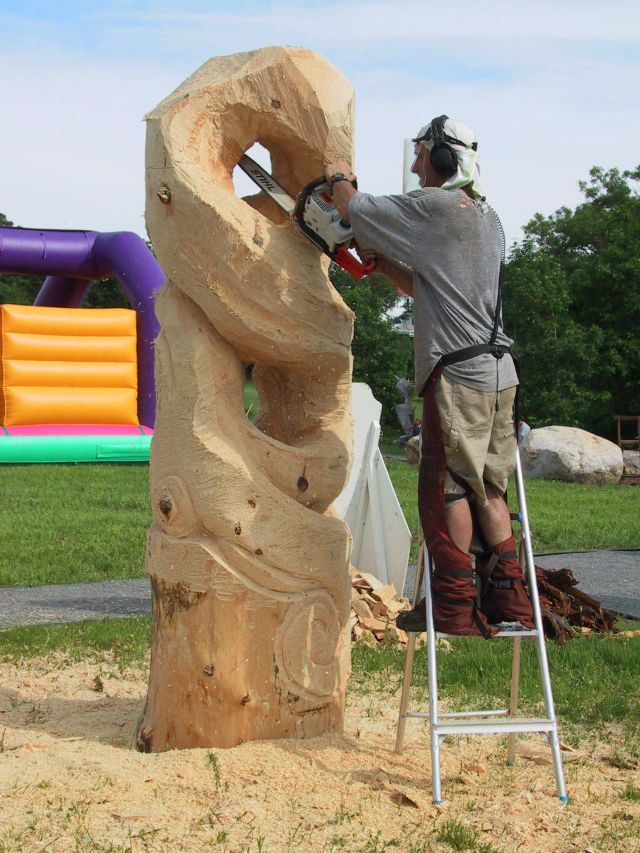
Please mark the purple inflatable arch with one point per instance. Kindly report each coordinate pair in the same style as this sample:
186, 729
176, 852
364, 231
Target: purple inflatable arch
72, 260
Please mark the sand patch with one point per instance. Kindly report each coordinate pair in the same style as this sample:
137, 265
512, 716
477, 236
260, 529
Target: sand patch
70, 780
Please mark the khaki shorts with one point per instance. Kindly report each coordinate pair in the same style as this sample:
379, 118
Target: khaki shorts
479, 443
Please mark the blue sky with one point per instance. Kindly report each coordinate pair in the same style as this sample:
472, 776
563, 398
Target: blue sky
551, 89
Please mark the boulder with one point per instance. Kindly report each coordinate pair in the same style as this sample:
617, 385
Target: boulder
631, 460
570, 454
412, 450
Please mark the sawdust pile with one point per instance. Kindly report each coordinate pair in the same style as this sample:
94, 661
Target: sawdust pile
70, 781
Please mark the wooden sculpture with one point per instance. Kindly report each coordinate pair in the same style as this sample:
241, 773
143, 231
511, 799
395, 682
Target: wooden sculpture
248, 563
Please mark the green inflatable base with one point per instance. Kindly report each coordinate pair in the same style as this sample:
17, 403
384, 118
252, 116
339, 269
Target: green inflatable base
28, 450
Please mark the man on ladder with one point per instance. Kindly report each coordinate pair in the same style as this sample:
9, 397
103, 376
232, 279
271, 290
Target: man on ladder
443, 245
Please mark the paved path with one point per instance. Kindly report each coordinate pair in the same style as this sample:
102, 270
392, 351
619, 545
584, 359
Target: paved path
34, 605
613, 577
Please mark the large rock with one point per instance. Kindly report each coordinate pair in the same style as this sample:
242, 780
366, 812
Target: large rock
570, 454
412, 450
631, 459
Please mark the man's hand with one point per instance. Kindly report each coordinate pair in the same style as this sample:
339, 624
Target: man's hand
338, 166
365, 255
342, 191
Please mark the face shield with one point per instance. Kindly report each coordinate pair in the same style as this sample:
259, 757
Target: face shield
410, 181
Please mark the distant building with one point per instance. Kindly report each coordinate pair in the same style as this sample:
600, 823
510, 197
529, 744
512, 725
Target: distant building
404, 323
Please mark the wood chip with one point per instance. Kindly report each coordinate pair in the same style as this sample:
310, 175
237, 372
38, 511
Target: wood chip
384, 593
361, 609
402, 799
373, 581
373, 624
379, 610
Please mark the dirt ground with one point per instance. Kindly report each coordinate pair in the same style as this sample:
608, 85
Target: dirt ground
71, 781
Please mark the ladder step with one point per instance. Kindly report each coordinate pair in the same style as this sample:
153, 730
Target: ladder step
471, 726
443, 715
507, 633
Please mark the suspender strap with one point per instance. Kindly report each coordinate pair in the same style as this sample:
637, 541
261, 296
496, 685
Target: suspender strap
496, 350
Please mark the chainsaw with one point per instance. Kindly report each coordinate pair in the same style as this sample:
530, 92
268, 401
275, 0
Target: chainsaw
315, 214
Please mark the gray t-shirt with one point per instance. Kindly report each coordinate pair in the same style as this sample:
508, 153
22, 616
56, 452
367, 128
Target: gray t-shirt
453, 244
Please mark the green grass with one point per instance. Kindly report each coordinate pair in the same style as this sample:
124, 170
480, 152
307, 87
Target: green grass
75, 523
72, 523
251, 400
631, 793
596, 679
126, 641
460, 837
576, 517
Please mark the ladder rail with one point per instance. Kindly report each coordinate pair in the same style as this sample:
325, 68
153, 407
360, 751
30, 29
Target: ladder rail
516, 660
432, 680
543, 661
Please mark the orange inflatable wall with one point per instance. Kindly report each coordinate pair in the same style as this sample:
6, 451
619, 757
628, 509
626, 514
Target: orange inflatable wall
67, 366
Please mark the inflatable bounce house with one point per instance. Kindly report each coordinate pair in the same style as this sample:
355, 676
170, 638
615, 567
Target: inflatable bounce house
76, 384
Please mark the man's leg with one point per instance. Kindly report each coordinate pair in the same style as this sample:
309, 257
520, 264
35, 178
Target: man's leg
459, 523
505, 598
494, 518
447, 525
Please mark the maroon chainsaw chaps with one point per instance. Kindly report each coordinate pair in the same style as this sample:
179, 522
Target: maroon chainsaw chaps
455, 609
506, 599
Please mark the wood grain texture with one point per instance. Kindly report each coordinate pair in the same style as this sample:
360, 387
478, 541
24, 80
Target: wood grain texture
248, 563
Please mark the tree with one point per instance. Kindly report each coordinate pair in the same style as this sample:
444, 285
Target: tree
572, 305
379, 353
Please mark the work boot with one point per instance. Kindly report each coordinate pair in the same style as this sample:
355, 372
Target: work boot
413, 620
504, 596
455, 604
447, 621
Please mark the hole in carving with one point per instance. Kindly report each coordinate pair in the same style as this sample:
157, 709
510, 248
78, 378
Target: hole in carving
249, 191
242, 184
250, 395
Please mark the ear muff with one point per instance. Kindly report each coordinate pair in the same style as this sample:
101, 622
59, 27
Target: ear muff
443, 157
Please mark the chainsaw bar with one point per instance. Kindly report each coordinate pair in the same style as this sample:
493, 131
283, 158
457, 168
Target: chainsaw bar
315, 216
266, 183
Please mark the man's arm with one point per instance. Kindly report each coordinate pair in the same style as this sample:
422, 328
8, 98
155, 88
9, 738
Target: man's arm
399, 274
343, 191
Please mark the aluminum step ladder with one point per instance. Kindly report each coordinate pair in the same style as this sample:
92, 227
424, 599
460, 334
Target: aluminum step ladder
499, 721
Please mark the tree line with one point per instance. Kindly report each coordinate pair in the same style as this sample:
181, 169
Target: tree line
572, 306
571, 303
